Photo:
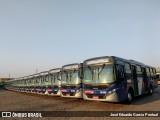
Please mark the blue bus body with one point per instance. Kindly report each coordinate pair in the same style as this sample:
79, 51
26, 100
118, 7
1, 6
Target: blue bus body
54, 84
71, 85
130, 79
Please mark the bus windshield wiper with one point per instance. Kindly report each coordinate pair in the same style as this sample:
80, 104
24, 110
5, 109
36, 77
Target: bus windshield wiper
54, 79
66, 75
91, 71
71, 74
100, 70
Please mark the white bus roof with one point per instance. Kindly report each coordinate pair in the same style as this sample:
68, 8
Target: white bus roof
54, 70
43, 73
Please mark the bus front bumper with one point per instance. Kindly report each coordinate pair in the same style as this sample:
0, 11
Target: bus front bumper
109, 98
54, 92
76, 94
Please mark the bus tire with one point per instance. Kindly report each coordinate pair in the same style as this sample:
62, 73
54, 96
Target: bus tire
130, 97
150, 91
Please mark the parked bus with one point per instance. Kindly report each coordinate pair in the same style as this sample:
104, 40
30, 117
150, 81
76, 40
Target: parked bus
36, 79
54, 83
25, 83
158, 74
71, 85
14, 84
22, 88
43, 82
31, 83
115, 79
18, 85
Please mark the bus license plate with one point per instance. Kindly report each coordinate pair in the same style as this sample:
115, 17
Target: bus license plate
95, 97
67, 94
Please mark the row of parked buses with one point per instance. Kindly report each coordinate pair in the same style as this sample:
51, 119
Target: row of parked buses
107, 78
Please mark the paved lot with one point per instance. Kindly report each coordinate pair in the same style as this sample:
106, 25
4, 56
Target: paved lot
15, 101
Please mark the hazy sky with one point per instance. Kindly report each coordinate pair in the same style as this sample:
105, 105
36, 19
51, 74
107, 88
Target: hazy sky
46, 34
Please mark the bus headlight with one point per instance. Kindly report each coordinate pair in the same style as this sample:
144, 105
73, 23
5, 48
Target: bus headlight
72, 90
79, 90
112, 91
103, 92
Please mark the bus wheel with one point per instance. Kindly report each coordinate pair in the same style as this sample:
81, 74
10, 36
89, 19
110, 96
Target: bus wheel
130, 97
150, 91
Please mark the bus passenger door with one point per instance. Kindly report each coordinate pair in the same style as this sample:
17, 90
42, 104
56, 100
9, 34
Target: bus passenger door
135, 82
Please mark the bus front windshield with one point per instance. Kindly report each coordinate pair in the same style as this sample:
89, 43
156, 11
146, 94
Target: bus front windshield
99, 74
55, 79
70, 77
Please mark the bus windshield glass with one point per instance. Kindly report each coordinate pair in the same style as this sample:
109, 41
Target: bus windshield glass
64, 77
54, 79
70, 77
99, 74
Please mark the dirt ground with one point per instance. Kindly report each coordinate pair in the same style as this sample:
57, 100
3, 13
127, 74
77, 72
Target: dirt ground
16, 101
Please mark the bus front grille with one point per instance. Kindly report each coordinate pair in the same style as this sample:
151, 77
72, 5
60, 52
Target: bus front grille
99, 96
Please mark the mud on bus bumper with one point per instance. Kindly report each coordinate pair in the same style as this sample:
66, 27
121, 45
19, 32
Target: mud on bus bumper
109, 98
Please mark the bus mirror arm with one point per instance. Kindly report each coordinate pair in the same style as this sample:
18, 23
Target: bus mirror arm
80, 74
58, 77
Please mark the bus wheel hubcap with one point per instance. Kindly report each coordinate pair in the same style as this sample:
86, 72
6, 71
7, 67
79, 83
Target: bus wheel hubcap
151, 90
129, 96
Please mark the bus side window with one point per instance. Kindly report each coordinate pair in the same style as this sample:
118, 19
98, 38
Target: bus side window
120, 72
151, 71
144, 72
46, 78
134, 73
51, 77
128, 71
154, 73
148, 73
139, 71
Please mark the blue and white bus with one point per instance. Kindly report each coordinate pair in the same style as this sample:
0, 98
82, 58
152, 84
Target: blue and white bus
71, 80
115, 79
158, 74
54, 83
22, 88
43, 76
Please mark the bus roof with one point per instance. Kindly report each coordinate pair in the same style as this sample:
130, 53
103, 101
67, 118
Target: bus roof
136, 62
103, 59
71, 66
43, 73
54, 70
